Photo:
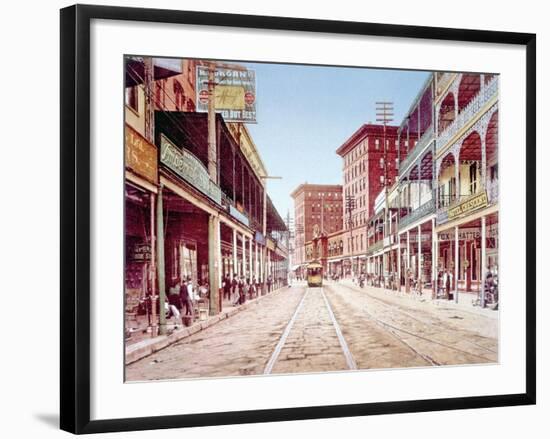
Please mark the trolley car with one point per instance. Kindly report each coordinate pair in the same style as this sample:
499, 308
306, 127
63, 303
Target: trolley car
314, 274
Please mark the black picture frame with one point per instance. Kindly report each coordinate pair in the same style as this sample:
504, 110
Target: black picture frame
75, 217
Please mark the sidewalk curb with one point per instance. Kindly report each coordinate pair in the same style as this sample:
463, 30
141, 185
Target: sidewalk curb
144, 348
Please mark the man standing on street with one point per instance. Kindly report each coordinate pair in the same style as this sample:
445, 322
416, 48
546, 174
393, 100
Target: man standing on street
227, 287
185, 297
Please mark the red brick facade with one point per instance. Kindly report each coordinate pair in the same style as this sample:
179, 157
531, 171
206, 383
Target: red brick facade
318, 210
363, 174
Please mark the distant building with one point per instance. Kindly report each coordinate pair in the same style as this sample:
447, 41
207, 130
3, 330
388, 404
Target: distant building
318, 212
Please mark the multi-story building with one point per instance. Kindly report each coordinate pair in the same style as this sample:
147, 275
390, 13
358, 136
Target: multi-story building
318, 212
368, 167
192, 211
415, 260
466, 177
441, 218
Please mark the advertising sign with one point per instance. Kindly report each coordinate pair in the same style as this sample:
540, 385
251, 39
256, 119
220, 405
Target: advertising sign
140, 252
234, 93
188, 167
140, 155
240, 216
474, 203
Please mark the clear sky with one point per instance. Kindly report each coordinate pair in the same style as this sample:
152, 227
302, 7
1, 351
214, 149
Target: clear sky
305, 113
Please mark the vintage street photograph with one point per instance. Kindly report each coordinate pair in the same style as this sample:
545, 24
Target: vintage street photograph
296, 219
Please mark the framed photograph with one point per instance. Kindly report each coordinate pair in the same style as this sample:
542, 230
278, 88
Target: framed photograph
272, 218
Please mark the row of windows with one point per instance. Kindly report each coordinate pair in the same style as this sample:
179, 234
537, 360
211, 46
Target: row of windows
324, 194
360, 149
328, 207
361, 185
325, 217
356, 243
360, 167
358, 219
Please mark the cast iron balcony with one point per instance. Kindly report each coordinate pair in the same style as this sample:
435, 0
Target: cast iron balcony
488, 92
424, 210
375, 247
413, 154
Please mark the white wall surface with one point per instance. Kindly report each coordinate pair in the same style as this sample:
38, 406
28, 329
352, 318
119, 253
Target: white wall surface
30, 205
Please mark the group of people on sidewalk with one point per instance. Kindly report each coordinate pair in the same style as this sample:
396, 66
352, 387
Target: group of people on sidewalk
238, 289
183, 298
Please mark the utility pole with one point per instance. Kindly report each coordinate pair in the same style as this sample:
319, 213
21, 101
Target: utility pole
288, 244
350, 206
384, 114
148, 82
212, 156
298, 241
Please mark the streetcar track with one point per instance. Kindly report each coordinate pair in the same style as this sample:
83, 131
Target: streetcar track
276, 352
347, 353
391, 328
378, 323
436, 327
395, 328
350, 361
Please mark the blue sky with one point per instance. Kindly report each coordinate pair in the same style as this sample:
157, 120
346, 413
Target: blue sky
305, 113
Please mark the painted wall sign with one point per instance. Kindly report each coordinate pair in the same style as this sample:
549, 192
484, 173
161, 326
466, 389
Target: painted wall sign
140, 155
188, 167
469, 233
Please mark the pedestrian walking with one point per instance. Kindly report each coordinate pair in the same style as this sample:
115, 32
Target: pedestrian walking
448, 284
185, 297
234, 287
227, 287
245, 290
253, 288
174, 305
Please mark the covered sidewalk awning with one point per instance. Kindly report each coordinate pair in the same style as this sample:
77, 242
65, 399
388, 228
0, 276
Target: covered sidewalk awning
274, 222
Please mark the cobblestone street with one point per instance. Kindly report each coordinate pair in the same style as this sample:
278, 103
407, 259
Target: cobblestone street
296, 330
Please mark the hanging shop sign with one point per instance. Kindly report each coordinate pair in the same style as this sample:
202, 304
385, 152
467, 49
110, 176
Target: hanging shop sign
234, 93
188, 167
271, 245
259, 238
140, 155
140, 252
235, 213
469, 205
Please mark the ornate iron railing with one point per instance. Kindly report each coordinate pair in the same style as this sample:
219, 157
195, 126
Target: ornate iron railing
474, 106
426, 138
375, 247
424, 210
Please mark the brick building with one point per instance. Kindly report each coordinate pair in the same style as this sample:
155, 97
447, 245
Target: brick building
364, 170
318, 212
